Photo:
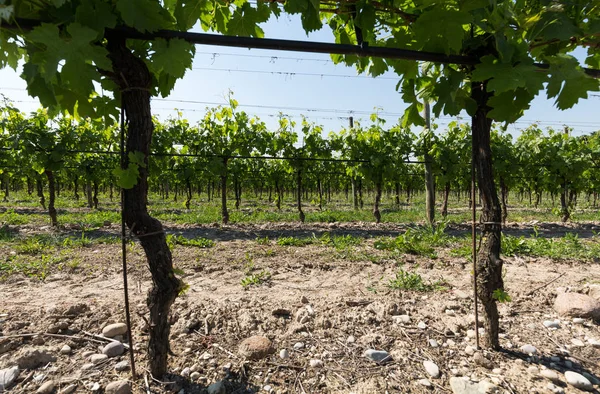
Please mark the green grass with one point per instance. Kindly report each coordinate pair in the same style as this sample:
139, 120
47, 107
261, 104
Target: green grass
295, 241
198, 242
420, 241
38, 267
412, 281
256, 279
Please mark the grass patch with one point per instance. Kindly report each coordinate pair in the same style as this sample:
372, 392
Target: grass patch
38, 268
295, 241
420, 241
199, 242
256, 279
412, 281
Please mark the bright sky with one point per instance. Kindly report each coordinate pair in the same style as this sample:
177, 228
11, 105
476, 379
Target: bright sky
268, 82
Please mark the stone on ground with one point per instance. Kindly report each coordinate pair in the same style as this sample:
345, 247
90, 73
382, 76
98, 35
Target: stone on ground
577, 305
432, 369
118, 387
33, 358
8, 376
46, 388
112, 330
69, 389
578, 381
378, 355
113, 349
256, 347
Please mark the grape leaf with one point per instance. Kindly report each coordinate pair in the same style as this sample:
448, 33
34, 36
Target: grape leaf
568, 83
504, 76
144, 15
244, 21
441, 30
510, 105
96, 14
127, 178
173, 57
187, 12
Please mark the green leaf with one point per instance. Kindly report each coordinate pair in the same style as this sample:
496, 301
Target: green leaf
441, 30
187, 12
244, 22
97, 15
412, 116
127, 178
568, 82
144, 15
173, 57
509, 106
10, 53
553, 26
504, 76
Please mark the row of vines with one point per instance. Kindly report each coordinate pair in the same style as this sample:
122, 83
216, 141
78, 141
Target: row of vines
230, 151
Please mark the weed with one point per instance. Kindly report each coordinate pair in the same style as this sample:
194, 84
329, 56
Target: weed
501, 296
256, 279
294, 241
263, 240
417, 241
412, 281
200, 242
81, 242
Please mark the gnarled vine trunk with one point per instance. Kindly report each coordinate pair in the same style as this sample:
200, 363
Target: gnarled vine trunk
224, 212
133, 78
299, 194
378, 191
40, 191
444, 211
489, 264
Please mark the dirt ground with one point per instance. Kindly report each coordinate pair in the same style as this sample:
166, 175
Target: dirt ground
319, 304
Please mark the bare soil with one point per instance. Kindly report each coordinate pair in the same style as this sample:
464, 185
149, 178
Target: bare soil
335, 302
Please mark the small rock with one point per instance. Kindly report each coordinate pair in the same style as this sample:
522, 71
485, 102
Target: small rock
267, 388
186, 372
112, 330
555, 389
425, 382
98, 358
69, 389
433, 343
401, 319
315, 363
470, 350
432, 369
577, 342
594, 342
551, 375
577, 305
194, 376
529, 349
256, 347
471, 333
122, 366
304, 299
463, 386
578, 320
118, 387
217, 388
87, 366
113, 349
462, 294
350, 339
33, 358
378, 355
578, 381
46, 388
533, 370
8, 376
482, 361
421, 325
551, 324
284, 354
298, 345
66, 349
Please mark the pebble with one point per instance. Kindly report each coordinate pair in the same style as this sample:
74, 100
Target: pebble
470, 333
256, 347
87, 366
432, 369
529, 349
8, 376
122, 366
422, 325
46, 388
69, 389
401, 319
267, 388
66, 349
578, 381
113, 349
304, 299
350, 339
316, 363
298, 345
551, 324
577, 342
284, 354
594, 342
551, 375
378, 355
578, 320
112, 330
463, 386
433, 343
482, 361
470, 350
555, 389
425, 382
118, 387
533, 370
194, 376
98, 358
186, 372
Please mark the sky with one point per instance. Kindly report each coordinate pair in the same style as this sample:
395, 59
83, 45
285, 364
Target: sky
266, 83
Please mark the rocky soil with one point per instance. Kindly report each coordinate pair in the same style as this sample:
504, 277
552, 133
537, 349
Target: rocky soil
325, 322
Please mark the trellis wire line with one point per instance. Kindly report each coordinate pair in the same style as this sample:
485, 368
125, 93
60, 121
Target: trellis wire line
124, 247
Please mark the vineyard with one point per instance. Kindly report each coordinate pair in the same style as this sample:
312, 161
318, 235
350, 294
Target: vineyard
229, 254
